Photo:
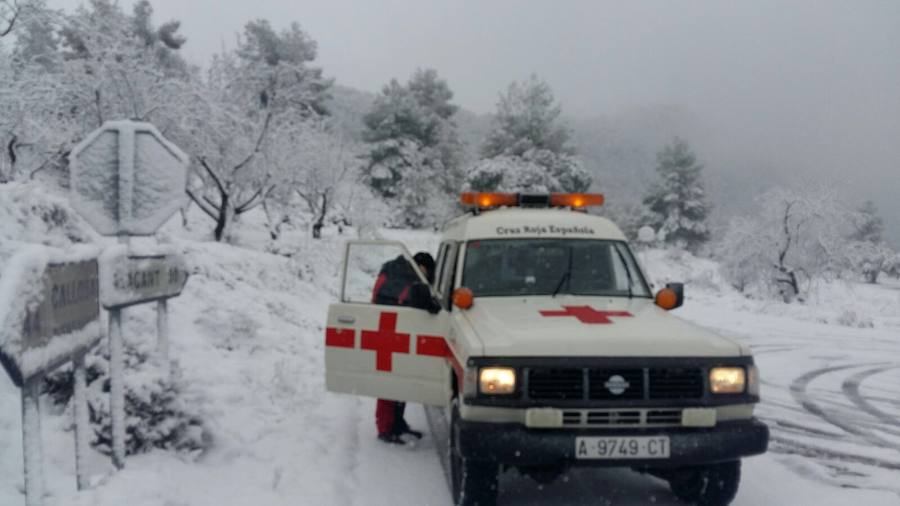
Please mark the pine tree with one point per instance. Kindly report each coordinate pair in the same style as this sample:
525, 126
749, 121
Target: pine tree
528, 150
413, 143
676, 205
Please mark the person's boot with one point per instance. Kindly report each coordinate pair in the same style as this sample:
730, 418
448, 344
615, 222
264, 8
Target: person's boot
391, 439
414, 433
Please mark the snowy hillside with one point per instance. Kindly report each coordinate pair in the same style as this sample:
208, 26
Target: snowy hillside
248, 348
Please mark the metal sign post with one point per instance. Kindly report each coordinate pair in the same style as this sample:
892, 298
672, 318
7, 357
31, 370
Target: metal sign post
162, 332
127, 180
117, 387
82, 423
54, 318
31, 442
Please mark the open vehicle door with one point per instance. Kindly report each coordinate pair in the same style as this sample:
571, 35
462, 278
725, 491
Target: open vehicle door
385, 350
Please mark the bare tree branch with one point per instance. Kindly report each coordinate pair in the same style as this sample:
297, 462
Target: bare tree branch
252, 202
209, 201
15, 10
213, 175
208, 212
258, 145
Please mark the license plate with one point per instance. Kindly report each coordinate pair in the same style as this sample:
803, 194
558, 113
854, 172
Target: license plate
638, 447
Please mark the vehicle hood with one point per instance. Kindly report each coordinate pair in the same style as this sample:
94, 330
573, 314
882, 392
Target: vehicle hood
581, 326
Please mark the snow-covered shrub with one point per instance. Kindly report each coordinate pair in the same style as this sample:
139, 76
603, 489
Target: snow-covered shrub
537, 171
849, 318
156, 418
29, 213
510, 173
155, 415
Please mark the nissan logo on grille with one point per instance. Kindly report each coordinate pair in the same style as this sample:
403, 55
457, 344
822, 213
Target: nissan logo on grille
616, 385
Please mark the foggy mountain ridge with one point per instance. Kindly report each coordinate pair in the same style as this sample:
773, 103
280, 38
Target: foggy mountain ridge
619, 150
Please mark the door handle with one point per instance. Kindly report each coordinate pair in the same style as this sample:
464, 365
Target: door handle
346, 320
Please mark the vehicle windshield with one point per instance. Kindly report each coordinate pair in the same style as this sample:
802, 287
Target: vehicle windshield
513, 267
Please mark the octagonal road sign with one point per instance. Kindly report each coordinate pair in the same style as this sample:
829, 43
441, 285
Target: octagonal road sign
49, 309
127, 179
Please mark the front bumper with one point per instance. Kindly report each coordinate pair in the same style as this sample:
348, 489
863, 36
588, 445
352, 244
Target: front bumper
517, 445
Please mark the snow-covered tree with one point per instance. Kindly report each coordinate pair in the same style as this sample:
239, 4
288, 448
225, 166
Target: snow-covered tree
795, 237
528, 149
676, 205
268, 81
867, 251
527, 119
70, 73
413, 158
313, 164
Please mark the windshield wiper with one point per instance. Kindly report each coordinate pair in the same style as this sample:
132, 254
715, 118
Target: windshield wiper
627, 272
562, 281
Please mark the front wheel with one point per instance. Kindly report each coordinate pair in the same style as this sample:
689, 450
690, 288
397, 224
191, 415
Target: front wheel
473, 482
712, 485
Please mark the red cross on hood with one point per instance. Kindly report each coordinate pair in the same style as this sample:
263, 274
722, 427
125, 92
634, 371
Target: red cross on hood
588, 326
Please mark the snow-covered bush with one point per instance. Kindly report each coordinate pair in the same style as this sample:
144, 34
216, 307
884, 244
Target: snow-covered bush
537, 171
850, 318
156, 417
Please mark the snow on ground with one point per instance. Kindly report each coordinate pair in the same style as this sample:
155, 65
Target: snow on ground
247, 340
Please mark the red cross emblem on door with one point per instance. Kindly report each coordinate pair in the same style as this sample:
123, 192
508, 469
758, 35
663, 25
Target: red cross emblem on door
385, 342
586, 314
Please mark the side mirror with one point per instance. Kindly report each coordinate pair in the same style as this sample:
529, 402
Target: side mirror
463, 298
670, 297
678, 288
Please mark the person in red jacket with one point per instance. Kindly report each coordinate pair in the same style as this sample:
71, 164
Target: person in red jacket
398, 285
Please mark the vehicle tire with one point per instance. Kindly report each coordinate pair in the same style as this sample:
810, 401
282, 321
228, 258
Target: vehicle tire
713, 485
472, 482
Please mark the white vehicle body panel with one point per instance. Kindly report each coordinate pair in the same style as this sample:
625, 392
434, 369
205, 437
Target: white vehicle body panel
392, 352
518, 327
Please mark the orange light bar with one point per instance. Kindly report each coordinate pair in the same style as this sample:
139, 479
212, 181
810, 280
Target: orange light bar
487, 200
576, 200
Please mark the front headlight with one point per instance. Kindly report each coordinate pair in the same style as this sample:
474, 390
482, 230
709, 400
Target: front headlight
727, 380
497, 380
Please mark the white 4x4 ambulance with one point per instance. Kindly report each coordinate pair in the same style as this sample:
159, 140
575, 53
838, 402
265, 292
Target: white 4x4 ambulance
550, 351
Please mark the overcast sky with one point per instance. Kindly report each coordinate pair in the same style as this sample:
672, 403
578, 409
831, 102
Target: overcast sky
808, 86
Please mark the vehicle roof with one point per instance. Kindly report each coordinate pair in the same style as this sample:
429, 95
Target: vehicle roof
516, 222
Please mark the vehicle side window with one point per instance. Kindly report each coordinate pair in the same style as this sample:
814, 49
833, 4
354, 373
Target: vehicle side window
448, 268
377, 274
439, 263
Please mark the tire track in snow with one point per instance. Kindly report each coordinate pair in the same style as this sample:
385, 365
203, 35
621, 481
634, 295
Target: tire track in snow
851, 386
799, 391
791, 447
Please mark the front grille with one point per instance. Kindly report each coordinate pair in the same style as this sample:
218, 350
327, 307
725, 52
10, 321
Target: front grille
615, 384
676, 383
600, 381
557, 384
617, 418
